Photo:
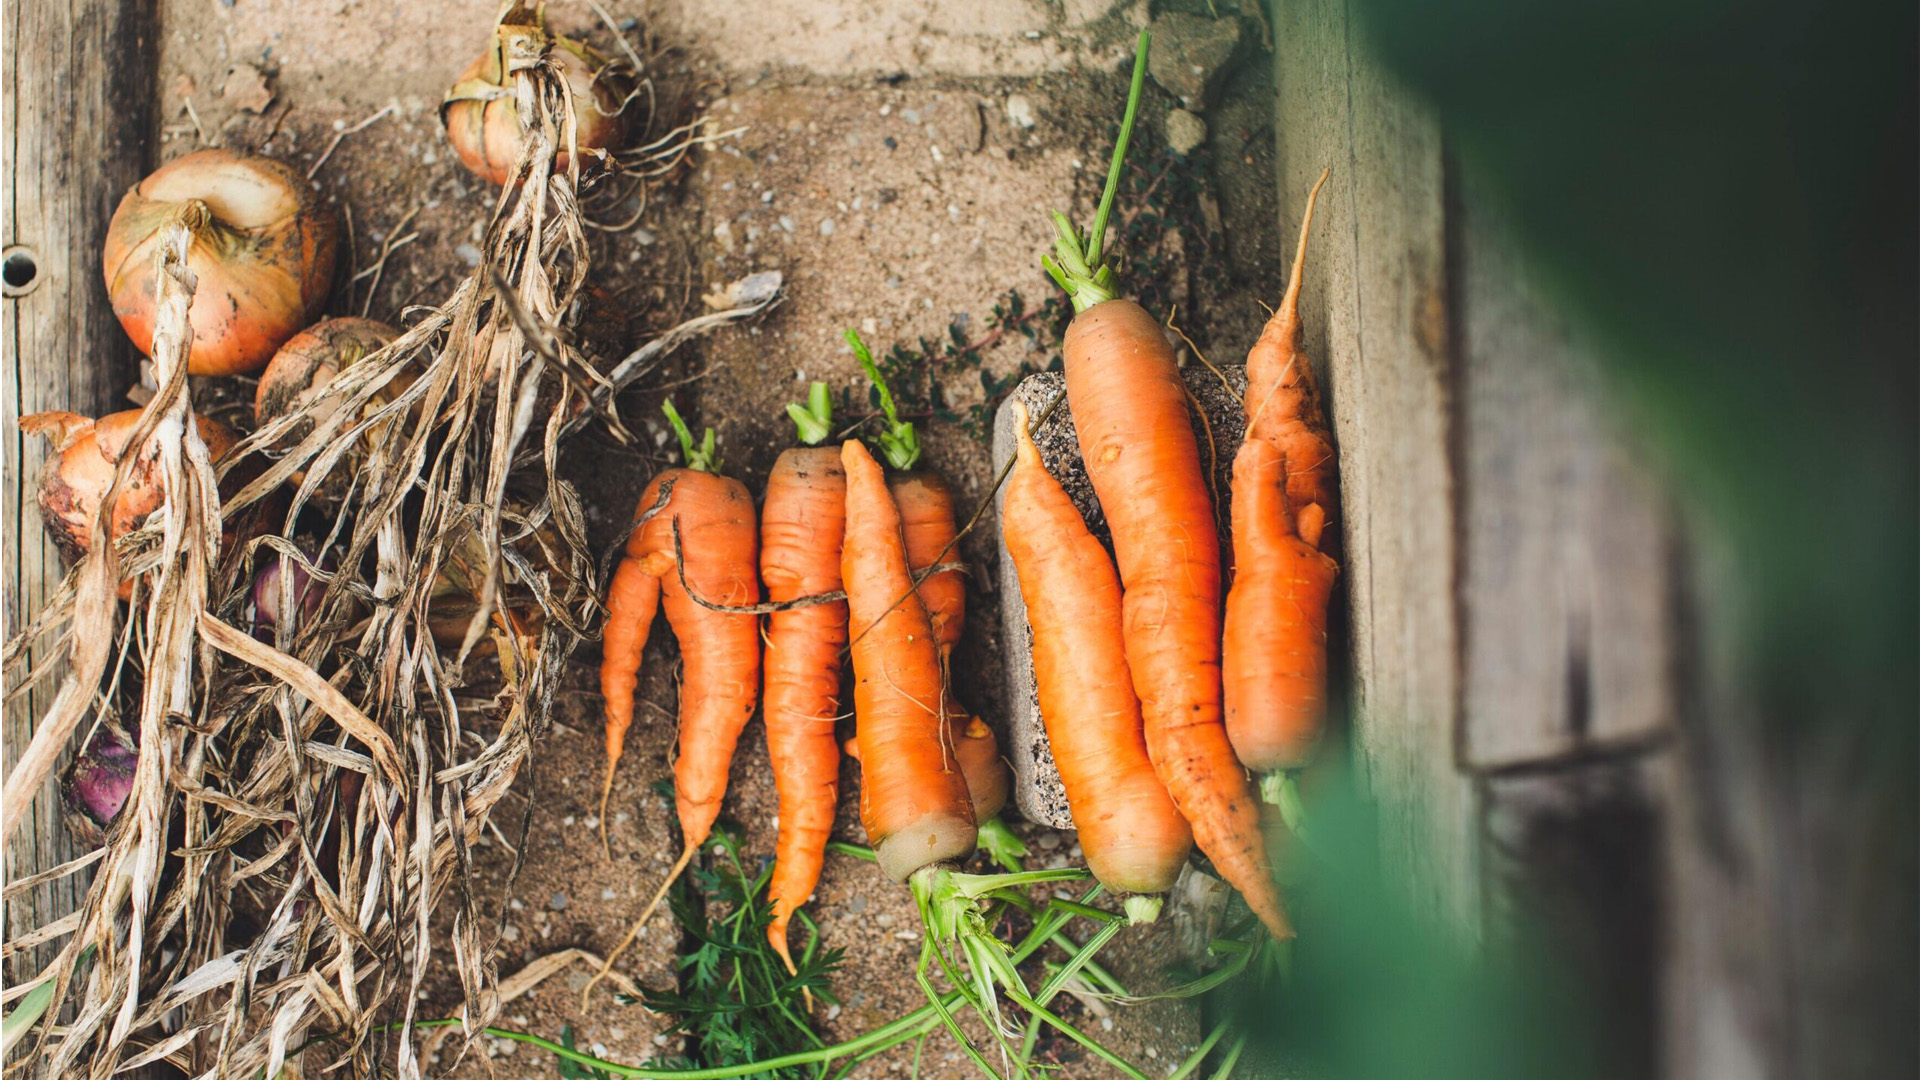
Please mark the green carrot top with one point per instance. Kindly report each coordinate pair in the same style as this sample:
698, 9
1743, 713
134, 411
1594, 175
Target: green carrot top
898, 442
1077, 264
698, 458
814, 420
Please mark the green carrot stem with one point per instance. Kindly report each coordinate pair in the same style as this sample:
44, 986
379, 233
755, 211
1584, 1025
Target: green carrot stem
814, 420
1076, 265
700, 458
899, 442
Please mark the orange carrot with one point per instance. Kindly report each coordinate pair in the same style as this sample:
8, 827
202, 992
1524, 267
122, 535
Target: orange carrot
930, 529
913, 802
1134, 838
1275, 641
1276, 631
1130, 414
931, 533
1283, 402
801, 526
720, 652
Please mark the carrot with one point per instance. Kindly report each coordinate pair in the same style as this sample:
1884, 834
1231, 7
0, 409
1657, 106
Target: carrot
914, 804
1283, 402
1276, 631
801, 526
1134, 837
931, 532
1130, 415
720, 652
1275, 640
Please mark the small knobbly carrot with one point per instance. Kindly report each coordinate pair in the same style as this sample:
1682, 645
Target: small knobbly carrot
1284, 497
1276, 633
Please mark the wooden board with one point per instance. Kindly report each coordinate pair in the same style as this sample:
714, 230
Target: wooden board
1374, 305
79, 86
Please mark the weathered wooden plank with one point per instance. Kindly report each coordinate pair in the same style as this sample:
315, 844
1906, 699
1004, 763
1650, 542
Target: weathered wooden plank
1564, 589
1376, 314
79, 90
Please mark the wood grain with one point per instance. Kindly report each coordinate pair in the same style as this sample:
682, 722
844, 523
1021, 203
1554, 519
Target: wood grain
79, 85
1374, 304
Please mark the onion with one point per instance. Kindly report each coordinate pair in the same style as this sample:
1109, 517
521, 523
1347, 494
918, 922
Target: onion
266, 590
483, 120
310, 360
98, 784
263, 248
76, 477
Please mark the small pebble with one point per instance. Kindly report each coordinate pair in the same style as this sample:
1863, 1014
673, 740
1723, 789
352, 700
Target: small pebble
826, 227
1048, 840
833, 1012
559, 901
516, 905
509, 932
911, 116
467, 253
858, 903
1185, 131
1020, 111
608, 894
616, 1034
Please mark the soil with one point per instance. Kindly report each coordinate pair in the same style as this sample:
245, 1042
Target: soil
870, 154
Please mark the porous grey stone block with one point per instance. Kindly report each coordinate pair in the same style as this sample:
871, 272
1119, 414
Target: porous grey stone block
1219, 423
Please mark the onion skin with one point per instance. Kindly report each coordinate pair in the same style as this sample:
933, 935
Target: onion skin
309, 361
263, 251
98, 784
483, 120
75, 478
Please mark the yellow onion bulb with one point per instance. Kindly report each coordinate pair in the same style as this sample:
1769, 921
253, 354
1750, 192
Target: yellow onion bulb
75, 478
263, 250
305, 364
483, 118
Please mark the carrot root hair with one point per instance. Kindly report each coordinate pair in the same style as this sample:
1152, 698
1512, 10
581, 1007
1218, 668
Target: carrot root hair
606, 966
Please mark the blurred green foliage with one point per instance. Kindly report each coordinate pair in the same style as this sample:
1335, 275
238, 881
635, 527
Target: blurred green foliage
1725, 191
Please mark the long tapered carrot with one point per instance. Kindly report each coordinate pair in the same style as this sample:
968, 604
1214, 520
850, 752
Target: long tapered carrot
1130, 415
913, 800
1134, 837
720, 652
801, 526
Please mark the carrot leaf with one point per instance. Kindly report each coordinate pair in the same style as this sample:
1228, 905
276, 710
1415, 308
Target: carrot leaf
1078, 262
814, 419
700, 458
899, 442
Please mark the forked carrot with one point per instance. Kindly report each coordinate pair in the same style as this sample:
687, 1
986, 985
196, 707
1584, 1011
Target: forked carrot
1130, 414
801, 526
720, 652
1275, 639
1134, 837
1276, 631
